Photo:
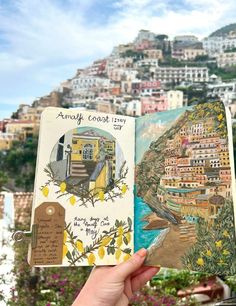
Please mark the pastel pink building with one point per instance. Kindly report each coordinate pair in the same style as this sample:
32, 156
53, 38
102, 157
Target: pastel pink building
144, 44
153, 104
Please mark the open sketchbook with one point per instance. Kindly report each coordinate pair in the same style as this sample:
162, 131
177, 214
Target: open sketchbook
107, 185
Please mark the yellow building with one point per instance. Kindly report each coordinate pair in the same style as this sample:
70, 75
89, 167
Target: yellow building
93, 159
32, 114
22, 128
154, 53
192, 53
6, 140
224, 158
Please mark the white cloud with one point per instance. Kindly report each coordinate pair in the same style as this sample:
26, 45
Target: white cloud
198, 17
44, 32
47, 40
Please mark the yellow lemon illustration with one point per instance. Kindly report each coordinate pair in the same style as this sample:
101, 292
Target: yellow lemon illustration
45, 191
72, 200
119, 241
120, 230
220, 117
226, 252
91, 259
65, 250
101, 252
65, 237
101, 195
80, 246
209, 253
63, 187
128, 237
226, 234
219, 244
105, 241
117, 254
200, 261
126, 257
124, 189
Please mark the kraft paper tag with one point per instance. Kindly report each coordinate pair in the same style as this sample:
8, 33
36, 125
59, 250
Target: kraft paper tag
50, 220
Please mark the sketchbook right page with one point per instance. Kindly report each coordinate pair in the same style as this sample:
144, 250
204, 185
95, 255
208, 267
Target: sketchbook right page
183, 195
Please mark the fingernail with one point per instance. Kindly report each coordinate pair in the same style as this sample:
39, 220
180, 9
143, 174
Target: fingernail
142, 252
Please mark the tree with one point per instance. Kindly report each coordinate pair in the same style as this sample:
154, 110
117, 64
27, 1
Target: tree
3, 179
18, 165
161, 37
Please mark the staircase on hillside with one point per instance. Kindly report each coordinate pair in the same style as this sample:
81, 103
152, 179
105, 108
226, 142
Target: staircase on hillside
78, 169
188, 232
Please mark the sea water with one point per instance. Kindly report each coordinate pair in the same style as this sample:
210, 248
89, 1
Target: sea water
142, 238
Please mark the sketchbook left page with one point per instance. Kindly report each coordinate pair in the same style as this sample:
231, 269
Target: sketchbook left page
83, 198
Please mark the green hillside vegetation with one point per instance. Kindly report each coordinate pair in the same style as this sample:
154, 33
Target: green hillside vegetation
224, 30
227, 73
18, 166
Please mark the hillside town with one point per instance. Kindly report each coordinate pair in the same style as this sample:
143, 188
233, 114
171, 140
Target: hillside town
151, 74
154, 73
196, 162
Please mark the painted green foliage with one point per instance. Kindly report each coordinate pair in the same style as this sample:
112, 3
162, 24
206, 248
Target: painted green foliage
77, 193
114, 241
211, 110
215, 249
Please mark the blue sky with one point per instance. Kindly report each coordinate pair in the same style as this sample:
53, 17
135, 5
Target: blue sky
43, 42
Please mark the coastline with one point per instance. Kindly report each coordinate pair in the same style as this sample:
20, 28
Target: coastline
168, 249
155, 222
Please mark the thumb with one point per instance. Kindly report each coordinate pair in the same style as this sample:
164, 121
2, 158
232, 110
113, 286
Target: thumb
123, 270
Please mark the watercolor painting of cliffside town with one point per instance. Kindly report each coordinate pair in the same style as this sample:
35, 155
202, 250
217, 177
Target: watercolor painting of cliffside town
184, 177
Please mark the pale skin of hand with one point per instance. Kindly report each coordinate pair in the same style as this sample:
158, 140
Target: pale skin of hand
114, 286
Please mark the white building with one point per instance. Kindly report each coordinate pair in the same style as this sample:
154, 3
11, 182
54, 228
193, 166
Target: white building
134, 108
121, 74
97, 68
216, 45
181, 74
144, 35
119, 62
186, 38
147, 62
88, 83
175, 99
126, 87
226, 59
225, 91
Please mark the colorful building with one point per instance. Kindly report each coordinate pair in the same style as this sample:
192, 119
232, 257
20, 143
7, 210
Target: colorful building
197, 172
92, 159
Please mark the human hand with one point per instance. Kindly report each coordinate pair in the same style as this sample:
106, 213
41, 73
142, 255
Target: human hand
114, 286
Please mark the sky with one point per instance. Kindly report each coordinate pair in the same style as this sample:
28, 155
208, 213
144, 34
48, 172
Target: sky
44, 42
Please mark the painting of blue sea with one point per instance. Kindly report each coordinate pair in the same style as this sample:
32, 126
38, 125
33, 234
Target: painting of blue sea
142, 238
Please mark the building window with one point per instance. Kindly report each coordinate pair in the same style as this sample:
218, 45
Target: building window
88, 152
